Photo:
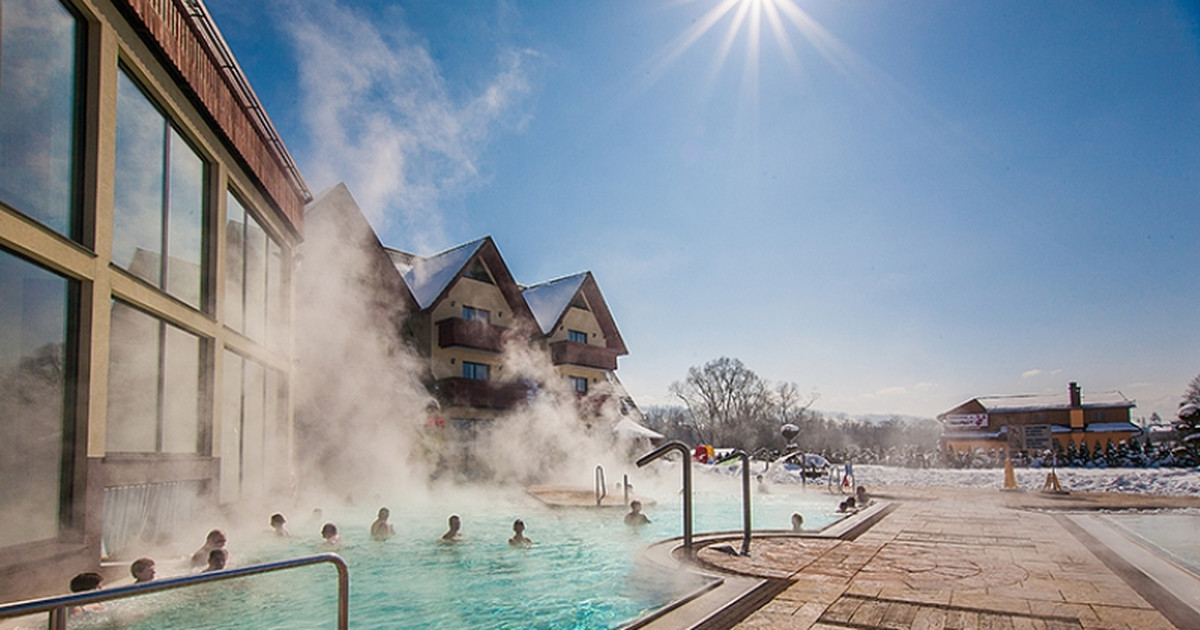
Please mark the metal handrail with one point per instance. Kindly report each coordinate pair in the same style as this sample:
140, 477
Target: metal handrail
740, 454
601, 485
687, 483
59, 606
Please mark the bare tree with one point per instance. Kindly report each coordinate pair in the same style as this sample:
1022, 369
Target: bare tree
727, 402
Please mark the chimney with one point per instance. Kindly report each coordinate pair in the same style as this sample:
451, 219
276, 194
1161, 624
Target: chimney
1076, 398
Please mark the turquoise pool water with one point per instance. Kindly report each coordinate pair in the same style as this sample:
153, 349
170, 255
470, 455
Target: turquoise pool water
580, 573
1172, 532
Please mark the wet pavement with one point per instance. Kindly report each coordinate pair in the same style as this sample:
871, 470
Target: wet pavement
947, 558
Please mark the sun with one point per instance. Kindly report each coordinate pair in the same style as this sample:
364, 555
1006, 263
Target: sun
745, 21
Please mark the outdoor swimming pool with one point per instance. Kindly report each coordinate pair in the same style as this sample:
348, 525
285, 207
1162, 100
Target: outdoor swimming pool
581, 572
1172, 533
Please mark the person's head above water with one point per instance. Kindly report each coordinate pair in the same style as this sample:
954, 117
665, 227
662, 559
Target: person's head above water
217, 559
328, 531
797, 521
216, 538
278, 520
142, 570
384, 513
89, 581
635, 506
518, 526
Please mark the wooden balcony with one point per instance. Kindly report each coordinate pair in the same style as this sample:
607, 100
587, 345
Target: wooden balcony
466, 392
455, 331
575, 353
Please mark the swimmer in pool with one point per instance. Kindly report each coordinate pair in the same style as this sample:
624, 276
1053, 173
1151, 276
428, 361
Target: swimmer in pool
215, 540
142, 570
635, 516
381, 529
329, 532
452, 536
519, 539
279, 524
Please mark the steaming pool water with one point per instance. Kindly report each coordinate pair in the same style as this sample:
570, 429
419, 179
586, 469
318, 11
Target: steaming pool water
580, 573
1171, 533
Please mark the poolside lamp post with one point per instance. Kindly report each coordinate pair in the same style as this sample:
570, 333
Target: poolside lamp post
790, 431
686, 453
745, 496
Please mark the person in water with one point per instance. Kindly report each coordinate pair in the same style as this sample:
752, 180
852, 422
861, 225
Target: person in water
82, 583
215, 540
452, 535
217, 560
381, 529
797, 522
635, 516
518, 539
762, 485
279, 524
863, 499
847, 506
329, 532
142, 570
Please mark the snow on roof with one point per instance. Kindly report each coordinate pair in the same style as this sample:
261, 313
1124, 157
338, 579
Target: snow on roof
1035, 402
549, 299
627, 428
1107, 427
428, 277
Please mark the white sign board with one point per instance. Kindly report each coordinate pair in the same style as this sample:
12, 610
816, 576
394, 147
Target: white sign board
1037, 437
966, 421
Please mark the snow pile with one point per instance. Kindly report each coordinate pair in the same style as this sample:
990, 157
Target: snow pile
1130, 480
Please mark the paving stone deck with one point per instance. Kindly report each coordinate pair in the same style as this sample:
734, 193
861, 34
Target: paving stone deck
950, 559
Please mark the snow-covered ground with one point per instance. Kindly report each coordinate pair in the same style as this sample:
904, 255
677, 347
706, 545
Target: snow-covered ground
1132, 480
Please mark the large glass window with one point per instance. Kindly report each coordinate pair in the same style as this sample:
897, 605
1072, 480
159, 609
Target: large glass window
256, 301
253, 430
36, 367
40, 42
158, 212
578, 336
154, 392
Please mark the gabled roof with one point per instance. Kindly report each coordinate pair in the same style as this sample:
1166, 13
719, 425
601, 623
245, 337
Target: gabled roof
430, 278
1044, 402
549, 302
335, 221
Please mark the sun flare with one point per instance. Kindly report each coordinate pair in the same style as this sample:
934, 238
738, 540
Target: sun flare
743, 22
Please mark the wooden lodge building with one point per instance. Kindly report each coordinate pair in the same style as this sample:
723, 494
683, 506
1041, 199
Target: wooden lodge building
1031, 422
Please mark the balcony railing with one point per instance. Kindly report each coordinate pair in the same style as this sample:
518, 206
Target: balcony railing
455, 331
466, 392
575, 353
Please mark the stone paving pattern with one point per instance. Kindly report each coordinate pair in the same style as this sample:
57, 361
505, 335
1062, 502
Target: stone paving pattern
951, 559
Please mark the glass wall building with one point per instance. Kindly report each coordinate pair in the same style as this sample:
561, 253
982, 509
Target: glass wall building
149, 218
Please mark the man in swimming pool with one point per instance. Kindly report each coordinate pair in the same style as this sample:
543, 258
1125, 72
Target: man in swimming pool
635, 516
215, 540
381, 529
452, 536
519, 539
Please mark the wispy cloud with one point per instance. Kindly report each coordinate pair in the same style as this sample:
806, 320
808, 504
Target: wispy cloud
380, 117
1031, 373
892, 391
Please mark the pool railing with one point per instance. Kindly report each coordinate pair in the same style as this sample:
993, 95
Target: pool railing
59, 607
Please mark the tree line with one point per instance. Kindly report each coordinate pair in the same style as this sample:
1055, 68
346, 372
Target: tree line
726, 404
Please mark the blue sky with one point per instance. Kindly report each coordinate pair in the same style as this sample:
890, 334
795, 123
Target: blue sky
895, 205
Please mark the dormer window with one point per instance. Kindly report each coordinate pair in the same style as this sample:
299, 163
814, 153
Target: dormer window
470, 313
578, 336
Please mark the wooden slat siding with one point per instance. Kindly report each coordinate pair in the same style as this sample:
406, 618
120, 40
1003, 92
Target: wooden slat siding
168, 23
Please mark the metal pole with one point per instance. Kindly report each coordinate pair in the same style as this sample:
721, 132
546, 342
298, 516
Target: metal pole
745, 496
687, 483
